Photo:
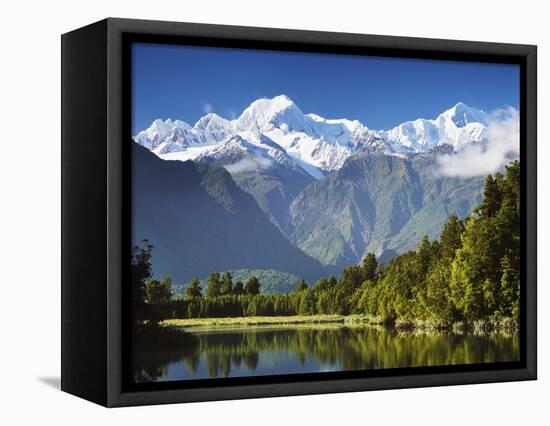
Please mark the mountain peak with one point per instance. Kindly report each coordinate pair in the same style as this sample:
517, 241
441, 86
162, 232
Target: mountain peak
168, 124
213, 125
275, 104
210, 119
462, 114
282, 98
211, 116
266, 113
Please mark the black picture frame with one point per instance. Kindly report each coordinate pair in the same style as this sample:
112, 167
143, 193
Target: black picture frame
95, 209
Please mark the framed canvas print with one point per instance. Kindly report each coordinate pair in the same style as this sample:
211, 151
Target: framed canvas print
253, 212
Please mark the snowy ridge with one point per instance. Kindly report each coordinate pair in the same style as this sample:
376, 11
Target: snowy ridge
456, 127
280, 134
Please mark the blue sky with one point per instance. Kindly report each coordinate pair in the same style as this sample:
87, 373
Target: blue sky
186, 82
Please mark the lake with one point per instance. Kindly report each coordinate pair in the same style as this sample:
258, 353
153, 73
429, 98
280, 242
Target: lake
268, 350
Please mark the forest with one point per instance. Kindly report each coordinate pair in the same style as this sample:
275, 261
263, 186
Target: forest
472, 272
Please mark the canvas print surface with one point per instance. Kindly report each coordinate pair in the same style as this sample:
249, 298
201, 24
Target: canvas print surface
305, 213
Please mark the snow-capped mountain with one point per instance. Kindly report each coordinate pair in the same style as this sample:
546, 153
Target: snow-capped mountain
238, 155
456, 127
167, 136
277, 131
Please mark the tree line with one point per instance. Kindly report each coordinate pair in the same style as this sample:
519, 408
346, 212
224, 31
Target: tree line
471, 272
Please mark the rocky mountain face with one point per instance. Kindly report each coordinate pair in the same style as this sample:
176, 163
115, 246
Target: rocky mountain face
200, 221
378, 203
253, 170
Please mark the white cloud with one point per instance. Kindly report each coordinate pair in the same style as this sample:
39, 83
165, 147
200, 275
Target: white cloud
249, 165
207, 108
482, 159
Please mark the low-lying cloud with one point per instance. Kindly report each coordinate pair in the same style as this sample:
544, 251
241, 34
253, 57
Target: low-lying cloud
249, 164
501, 147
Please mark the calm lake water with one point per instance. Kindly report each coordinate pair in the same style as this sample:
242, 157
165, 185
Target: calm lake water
266, 350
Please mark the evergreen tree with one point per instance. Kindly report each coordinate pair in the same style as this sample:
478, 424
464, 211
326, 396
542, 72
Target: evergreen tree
307, 303
508, 224
399, 298
451, 237
238, 289
323, 303
467, 272
302, 285
140, 272
214, 285
423, 258
370, 266
438, 302
510, 288
227, 284
252, 286
321, 285
492, 196
351, 279
194, 288
158, 291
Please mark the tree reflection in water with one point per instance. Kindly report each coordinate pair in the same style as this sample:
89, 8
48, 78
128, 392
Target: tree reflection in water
342, 348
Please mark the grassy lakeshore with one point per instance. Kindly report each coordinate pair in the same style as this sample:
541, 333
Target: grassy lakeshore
270, 320
506, 325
